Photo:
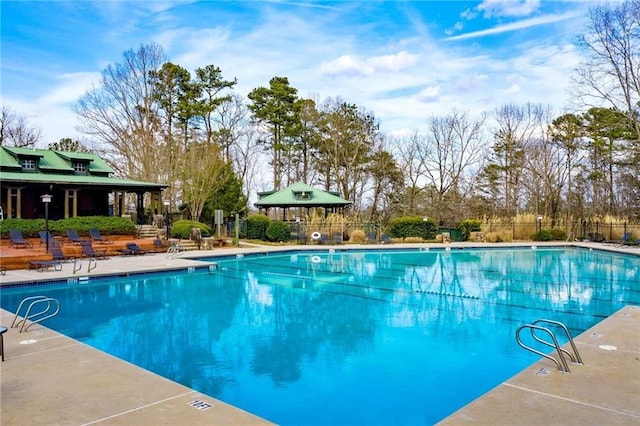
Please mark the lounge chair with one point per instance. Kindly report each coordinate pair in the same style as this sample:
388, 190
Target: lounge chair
622, 241
324, 239
337, 238
159, 246
372, 238
42, 265
57, 258
17, 239
385, 239
56, 252
89, 251
43, 237
133, 249
73, 237
95, 235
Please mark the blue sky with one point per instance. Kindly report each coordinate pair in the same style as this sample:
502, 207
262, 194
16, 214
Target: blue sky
402, 60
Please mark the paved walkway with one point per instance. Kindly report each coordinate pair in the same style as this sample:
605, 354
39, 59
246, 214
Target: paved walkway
48, 378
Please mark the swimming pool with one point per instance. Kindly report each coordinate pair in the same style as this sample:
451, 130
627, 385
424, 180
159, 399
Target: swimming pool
393, 337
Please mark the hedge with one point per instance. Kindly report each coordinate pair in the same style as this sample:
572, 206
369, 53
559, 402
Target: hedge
412, 226
108, 225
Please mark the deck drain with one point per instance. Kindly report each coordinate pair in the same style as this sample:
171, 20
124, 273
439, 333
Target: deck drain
542, 372
200, 405
608, 347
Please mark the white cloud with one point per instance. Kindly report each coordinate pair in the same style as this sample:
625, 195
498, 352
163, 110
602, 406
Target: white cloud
349, 65
499, 8
430, 94
514, 26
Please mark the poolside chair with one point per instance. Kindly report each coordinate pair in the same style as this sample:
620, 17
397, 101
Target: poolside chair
621, 241
89, 251
385, 239
17, 240
159, 246
372, 237
43, 237
56, 262
42, 265
55, 248
324, 239
337, 238
95, 235
73, 237
133, 249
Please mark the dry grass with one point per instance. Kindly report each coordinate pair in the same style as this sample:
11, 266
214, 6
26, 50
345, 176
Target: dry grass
523, 226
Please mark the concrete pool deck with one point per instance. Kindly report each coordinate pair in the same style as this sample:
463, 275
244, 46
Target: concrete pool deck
48, 378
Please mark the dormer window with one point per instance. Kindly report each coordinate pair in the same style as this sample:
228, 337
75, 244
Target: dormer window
28, 164
80, 167
303, 195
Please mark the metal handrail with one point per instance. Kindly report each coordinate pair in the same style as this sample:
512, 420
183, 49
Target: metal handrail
575, 358
26, 299
35, 317
562, 364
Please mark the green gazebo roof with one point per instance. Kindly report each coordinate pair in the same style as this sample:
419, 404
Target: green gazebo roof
300, 195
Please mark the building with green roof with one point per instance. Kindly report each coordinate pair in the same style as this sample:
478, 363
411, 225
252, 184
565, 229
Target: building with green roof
301, 195
80, 183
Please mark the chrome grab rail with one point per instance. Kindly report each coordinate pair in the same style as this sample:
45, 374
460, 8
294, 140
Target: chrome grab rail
35, 317
575, 357
562, 367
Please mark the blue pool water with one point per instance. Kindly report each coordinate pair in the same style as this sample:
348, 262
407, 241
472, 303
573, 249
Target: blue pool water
358, 337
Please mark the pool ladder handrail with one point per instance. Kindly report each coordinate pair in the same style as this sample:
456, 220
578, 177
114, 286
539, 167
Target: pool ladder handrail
561, 361
35, 317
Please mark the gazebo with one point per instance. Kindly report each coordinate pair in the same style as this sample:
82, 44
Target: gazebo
301, 195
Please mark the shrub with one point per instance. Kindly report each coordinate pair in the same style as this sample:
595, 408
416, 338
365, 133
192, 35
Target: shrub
497, 237
182, 229
278, 231
257, 227
468, 226
558, 234
413, 240
358, 236
542, 235
412, 226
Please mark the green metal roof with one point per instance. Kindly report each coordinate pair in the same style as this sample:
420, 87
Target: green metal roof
56, 167
300, 195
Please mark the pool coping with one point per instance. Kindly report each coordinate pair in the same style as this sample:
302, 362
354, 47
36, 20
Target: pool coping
88, 386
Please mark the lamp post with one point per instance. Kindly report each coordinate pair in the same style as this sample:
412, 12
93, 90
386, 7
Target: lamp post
540, 217
166, 210
46, 199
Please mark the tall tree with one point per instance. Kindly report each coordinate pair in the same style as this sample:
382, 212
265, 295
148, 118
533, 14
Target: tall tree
69, 145
566, 131
516, 125
211, 86
453, 149
121, 114
610, 72
349, 135
277, 107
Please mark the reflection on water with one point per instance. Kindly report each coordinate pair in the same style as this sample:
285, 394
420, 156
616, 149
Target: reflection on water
363, 337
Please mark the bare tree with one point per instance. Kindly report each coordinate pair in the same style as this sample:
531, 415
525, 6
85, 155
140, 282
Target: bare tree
611, 71
453, 149
516, 127
15, 130
413, 167
121, 114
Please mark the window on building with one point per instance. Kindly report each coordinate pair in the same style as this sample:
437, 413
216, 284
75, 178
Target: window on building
28, 164
79, 167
